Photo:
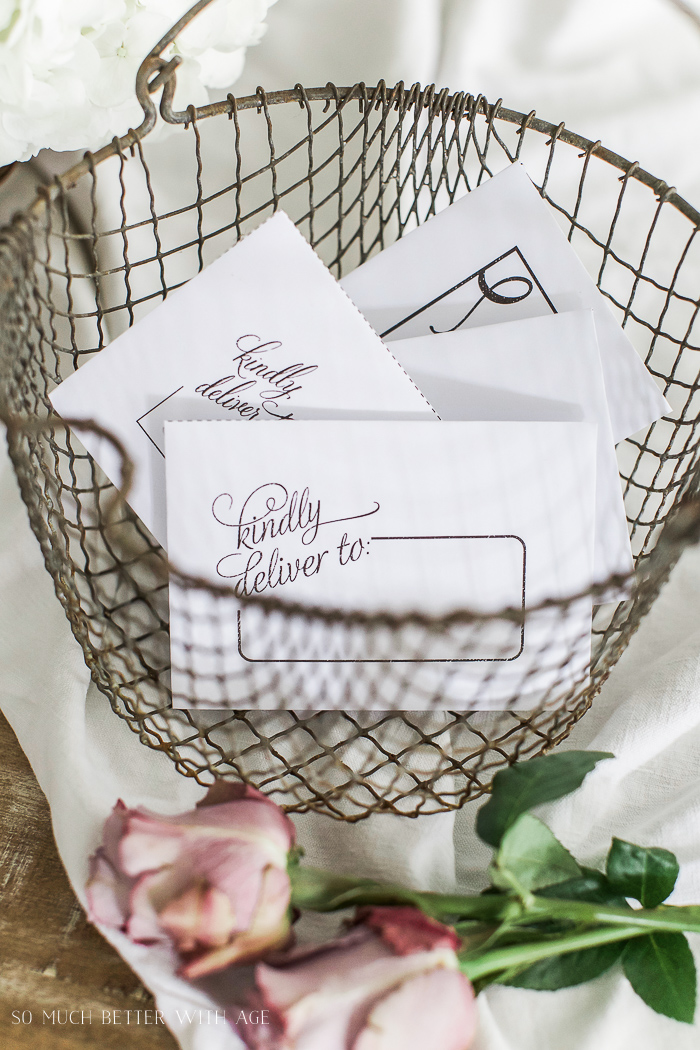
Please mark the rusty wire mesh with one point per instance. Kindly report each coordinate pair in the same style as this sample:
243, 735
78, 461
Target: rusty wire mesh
355, 168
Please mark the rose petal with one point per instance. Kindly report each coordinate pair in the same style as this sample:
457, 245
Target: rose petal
147, 844
244, 948
252, 817
201, 917
107, 893
113, 831
323, 1017
150, 840
236, 869
434, 1011
187, 919
407, 929
322, 996
359, 959
325, 1025
305, 970
274, 901
143, 925
270, 929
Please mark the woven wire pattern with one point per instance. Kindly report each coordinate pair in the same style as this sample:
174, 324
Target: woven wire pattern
356, 169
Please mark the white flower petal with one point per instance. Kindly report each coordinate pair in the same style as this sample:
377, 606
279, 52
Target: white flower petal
68, 67
219, 69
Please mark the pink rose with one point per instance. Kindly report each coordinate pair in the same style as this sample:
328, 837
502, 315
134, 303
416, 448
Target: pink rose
392, 983
213, 881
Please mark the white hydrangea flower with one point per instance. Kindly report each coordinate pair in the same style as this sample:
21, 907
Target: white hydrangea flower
68, 67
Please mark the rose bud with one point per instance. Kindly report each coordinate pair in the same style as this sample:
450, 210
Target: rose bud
212, 881
391, 983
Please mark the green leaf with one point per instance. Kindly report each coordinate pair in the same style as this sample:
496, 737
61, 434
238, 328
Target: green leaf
531, 854
528, 784
661, 969
592, 886
647, 874
563, 971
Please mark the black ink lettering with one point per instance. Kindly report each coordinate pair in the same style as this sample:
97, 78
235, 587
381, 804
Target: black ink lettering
353, 517
489, 292
280, 383
354, 553
312, 564
229, 399
254, 579
275, 415
270, 511
283, 381
341, 550
356, 550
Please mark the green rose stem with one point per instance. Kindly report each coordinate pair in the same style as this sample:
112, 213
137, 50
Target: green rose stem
496, 960
316, 890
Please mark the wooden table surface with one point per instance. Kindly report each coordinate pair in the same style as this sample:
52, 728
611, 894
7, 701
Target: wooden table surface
53, 963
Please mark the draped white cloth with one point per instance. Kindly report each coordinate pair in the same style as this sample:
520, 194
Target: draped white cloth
624, 71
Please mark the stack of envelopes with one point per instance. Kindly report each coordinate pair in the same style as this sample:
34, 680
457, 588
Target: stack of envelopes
481, 322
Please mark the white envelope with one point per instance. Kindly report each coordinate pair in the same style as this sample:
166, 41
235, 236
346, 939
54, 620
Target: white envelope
495, 255
545, 368
265, 332
371, 516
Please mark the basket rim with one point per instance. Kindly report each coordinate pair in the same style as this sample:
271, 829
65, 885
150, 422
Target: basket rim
457, 105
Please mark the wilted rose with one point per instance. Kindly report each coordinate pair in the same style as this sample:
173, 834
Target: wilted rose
392, 983
213, 881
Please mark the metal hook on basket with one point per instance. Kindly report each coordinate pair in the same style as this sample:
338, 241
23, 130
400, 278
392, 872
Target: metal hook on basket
165, 75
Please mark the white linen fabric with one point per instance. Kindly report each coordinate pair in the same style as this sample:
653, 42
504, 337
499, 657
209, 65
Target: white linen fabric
627, 72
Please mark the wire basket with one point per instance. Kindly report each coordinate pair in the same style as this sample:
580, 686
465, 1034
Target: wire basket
356, 168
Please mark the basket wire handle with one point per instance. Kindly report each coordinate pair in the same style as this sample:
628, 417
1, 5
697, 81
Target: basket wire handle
165, 75
18, 427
